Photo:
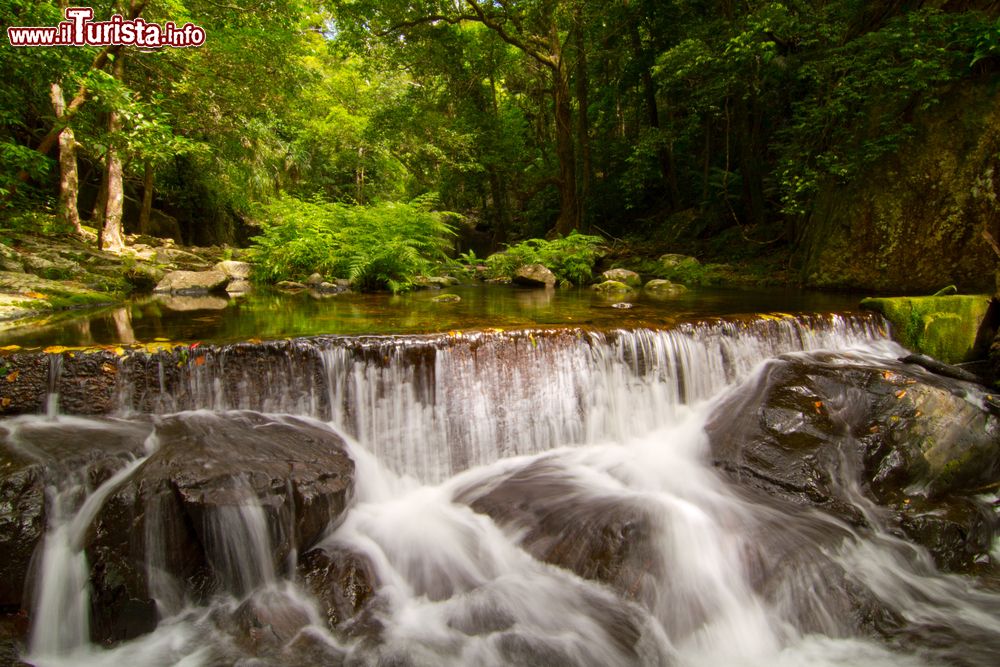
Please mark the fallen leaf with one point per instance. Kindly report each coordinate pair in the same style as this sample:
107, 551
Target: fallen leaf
11, 348
901, 393
818, 405
5, 402
36, 295
13, 376
199, 361
55, 349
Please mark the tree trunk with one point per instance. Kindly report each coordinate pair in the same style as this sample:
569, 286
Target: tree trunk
501, 209
569, 210
112, 238
69, 179
583, 104
97, 213
147, 198
78, 100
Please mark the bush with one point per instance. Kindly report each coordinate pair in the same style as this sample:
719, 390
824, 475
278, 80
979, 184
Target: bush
570, 258
378, 247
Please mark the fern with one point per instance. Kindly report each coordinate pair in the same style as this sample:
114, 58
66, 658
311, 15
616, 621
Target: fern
378, 247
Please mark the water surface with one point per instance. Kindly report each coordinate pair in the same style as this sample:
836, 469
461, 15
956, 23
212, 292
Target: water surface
270, 315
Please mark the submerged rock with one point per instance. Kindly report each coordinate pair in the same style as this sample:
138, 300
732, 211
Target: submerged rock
192, 282
534, 275
447, 298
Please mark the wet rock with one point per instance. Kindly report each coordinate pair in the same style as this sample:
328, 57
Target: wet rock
290, 286
534, 275
919, 445
192, 282
606, 539
315, 280
13, 639
188, 493
85, 382
34, 454
611, 287
630, 278
342, 581
233, 269
447, 298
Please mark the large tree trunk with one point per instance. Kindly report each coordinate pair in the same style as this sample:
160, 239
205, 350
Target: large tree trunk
112, 238
569, 209
69, 178
583, 103
147, 198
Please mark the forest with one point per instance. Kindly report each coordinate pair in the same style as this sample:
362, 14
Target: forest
848, 143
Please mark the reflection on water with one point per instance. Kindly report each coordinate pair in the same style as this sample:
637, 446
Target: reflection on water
272, 315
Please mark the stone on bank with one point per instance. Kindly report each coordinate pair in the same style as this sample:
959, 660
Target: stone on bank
954, 329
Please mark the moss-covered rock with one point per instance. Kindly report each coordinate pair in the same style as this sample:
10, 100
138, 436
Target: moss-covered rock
663, 288
950, 328
612, 287
630, 278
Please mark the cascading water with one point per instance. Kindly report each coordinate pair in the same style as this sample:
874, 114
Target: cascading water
534, 498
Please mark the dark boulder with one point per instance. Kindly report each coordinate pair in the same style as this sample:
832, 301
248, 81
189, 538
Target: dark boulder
212, 473
36, 453
835, 435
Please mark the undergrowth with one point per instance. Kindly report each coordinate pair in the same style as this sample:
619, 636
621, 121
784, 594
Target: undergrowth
384, 246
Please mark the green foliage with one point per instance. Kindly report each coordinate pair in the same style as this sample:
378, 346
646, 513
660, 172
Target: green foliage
570, 258
384, 246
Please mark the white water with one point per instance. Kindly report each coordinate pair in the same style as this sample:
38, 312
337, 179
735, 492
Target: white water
609, 423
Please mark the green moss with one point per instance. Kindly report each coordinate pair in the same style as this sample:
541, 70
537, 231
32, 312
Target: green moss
944, 327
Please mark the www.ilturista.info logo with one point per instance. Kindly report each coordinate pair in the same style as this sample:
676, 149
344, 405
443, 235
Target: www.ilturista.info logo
79, 30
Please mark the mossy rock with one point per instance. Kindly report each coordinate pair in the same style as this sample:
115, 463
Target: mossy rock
664, 288
612, 287
950, 328
630, 278
447, 298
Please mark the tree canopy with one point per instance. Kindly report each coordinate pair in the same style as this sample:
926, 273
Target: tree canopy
656, 119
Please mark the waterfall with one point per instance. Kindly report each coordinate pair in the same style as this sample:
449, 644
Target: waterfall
524, 497
432, 406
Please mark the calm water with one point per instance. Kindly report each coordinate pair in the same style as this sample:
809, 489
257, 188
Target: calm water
273, 315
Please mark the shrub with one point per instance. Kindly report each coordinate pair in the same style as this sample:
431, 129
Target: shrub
378, 247
570, 258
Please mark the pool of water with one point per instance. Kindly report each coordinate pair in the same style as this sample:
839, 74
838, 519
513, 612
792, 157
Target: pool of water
270, 315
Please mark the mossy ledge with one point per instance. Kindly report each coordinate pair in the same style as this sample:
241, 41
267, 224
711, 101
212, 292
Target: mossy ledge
954, 329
